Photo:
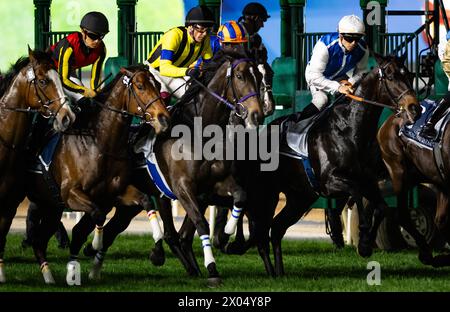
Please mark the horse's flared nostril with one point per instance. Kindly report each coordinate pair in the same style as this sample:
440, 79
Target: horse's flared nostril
256, 118
66, 122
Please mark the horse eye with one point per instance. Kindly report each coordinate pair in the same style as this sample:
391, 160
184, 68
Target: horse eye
139, 86
43, 81
239, 76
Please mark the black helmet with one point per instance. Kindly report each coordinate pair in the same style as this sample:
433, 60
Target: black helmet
95, 22
255, 9
200, 15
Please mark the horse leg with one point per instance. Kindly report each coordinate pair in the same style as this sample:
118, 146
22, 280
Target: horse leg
425, 251
186, 234
296, 205
6, 217
219, 239
189, 202
45, 229
441, 221
116, 225
172, 238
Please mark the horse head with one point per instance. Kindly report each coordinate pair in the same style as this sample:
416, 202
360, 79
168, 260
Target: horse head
144, 100
46, 92
396, 88
240, 84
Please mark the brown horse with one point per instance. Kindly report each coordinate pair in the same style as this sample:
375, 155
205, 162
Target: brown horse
409, 164
341, 157
231, 96
92, 170
31, 87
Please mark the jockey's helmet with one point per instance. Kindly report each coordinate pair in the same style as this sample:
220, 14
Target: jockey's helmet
200, 15
95, 22
232, 32
351, 24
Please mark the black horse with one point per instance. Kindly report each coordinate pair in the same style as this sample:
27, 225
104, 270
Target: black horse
339, 146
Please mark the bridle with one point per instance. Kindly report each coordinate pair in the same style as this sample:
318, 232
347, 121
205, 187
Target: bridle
237, 105
42, 99
383, 77
142, 106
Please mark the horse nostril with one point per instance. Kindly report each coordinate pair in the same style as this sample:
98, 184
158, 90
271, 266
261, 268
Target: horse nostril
66, 121
256, 118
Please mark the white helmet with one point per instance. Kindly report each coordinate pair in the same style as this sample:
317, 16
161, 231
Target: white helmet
351, 24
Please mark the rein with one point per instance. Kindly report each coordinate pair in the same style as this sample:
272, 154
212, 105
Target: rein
237, 102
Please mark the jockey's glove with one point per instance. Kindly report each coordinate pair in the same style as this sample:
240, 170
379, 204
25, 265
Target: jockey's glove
346, 89
89, 93
193, 72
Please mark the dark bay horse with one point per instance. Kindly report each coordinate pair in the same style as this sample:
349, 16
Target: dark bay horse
231, 96
31, 87
339, 147
409, 164
92, 170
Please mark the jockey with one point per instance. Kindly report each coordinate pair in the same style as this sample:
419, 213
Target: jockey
334, 55
178, 49
254, 15
428, 129
81, 49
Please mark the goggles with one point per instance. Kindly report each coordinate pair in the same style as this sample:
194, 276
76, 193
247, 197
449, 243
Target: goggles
351, 38
94, 36
202, 29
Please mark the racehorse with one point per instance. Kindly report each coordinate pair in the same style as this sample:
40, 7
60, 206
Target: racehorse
340, 154
231, 95
409, 164
91, 171
30, 88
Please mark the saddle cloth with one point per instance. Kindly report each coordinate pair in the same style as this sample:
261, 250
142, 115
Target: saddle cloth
146, 145
412, 131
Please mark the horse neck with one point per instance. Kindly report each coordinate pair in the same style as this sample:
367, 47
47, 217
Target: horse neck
112, 127
209, 108
14, 125
363, 117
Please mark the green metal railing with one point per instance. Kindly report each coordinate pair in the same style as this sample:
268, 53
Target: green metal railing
143, 43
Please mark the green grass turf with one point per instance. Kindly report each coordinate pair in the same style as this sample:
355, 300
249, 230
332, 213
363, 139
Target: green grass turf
310, 266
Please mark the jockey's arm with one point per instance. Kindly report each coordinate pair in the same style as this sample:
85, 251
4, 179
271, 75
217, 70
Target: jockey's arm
64, 70
97, 70
316, 67
360, 69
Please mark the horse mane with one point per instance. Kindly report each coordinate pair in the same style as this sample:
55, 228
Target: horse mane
40, 56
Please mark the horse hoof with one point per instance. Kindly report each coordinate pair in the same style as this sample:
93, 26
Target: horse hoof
89, 251
156, 258
426, 258
364, 251
214, 282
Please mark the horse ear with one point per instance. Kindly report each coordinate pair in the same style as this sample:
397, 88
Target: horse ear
126, 72
31, 55
379, 58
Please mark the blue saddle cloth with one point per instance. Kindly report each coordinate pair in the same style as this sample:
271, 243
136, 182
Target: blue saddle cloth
413, 131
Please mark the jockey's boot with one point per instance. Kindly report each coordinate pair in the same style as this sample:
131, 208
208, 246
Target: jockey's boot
309, 111
428, 130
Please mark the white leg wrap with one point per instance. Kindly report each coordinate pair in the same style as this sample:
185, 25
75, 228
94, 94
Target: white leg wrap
230, 228
97, 242
47, 274
207, 251
95, 272
73, 276
2, 272
156, 229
